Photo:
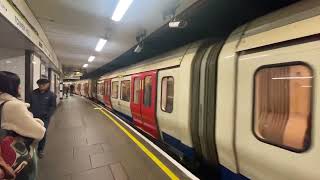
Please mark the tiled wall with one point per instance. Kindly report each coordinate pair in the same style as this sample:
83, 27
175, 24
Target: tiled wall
55, 87
36, 70
15, 65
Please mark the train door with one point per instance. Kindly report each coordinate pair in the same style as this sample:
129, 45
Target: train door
277, 115
90, 89
125, 95
107, 96
135, 105
143, 107
86, 89
167, 109
115, 93
100, 91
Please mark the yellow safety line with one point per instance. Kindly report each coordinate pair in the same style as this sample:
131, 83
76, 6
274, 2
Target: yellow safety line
142, 147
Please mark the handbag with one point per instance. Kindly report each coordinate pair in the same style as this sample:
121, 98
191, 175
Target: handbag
15, 151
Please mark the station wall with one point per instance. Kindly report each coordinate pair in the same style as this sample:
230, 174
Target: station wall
15, 65
36, 70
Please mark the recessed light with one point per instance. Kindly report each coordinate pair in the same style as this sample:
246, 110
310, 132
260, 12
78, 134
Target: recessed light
91, 58
121, 9
85, 65
100, 44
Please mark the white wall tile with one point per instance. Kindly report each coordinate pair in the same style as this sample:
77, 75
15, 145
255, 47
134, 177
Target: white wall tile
15, 65
36, 70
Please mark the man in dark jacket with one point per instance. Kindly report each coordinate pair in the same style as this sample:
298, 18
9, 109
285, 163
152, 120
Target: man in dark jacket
71, 89
43, 105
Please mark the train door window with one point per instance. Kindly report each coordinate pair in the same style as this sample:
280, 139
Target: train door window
102, 89
108, 89
136, 90
167, 94
125, 90
147, 91
282, 106
115, 88
99, 88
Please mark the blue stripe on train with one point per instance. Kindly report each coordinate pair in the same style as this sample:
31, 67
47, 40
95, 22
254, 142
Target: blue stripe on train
177, 144
124, 117
226, 174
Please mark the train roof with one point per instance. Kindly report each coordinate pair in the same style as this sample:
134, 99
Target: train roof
292, 22
169, 59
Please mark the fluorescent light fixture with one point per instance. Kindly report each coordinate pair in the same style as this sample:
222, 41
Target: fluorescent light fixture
138, 49
100, 44
121, 9
85, 65
178, 24
91, 58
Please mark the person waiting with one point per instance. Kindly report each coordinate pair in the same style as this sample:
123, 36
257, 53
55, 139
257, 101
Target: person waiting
43, 105
16, 123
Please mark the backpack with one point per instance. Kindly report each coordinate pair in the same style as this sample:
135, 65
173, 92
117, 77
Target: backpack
15, 151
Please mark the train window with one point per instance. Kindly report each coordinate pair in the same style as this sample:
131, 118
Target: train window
99, 89
282, 110
115, 88
108, 88
136, 94
102, 89
125, 90
147, 91
167, 94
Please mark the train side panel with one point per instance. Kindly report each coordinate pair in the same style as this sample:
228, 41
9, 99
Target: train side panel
276, 111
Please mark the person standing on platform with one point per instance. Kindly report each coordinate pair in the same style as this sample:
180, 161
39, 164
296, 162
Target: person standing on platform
67, 91
43, 105
71, 89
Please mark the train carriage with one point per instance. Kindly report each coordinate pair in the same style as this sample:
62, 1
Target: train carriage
245, 105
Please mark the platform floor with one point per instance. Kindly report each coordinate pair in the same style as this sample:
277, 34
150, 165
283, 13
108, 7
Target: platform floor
83, 144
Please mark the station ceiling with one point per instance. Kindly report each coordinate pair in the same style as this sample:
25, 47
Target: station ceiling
74, 27
206, 19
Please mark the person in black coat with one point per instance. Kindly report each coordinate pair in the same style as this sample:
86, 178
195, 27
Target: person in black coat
43, 105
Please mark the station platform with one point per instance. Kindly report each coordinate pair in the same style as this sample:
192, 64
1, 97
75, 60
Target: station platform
83, 143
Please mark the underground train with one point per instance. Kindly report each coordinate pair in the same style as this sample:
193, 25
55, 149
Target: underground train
245, 105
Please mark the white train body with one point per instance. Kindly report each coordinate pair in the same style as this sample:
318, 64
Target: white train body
246, 105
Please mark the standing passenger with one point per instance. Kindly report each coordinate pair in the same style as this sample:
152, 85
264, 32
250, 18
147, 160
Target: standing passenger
67, 91
14, 116
43, 104
71, 89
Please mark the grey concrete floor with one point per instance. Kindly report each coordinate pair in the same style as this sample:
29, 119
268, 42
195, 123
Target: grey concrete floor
83, 144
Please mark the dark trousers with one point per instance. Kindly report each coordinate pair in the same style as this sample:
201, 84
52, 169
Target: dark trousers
42, 143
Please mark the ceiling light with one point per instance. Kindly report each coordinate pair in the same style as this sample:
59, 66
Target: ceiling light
138, 49
121, 9
100, 44
91, 58
85, 65
178, 24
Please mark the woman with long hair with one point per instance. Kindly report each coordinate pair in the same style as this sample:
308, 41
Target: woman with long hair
17, 123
